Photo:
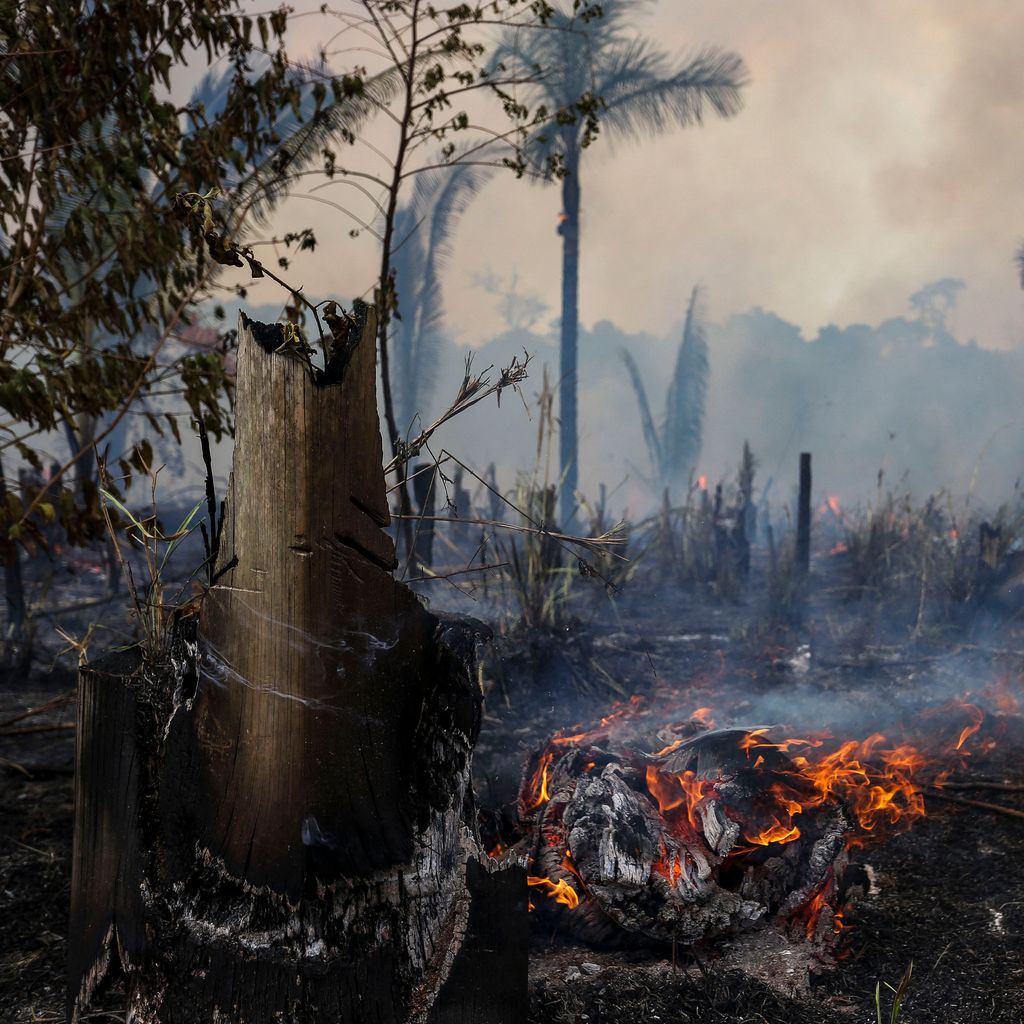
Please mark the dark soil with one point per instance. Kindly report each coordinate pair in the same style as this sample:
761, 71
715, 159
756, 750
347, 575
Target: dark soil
949, 895
951, 900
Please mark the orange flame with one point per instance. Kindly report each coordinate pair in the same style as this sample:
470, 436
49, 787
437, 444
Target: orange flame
753, 741
814, 908
977, 717
776, 833
539, 782
703, 716
973, 712
831, 504
876, 784
538, 787
560, 891
683, 789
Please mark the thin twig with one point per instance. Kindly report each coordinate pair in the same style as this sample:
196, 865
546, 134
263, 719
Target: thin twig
6, 762
1003, 787
590, 543
50, 705
28, 729
1010, 812
458, 572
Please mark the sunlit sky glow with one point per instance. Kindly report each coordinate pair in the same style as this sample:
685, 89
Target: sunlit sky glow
879, 148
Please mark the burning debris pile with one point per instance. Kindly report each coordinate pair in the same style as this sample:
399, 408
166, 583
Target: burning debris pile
719, 831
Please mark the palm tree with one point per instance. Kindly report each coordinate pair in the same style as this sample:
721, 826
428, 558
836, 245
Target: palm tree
641, 92
423, 229
675, 448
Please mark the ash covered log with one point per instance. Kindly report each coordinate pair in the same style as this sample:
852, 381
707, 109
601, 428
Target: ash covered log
698, 841
270, 820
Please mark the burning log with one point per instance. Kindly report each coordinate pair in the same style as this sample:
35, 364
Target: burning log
694, 842
722, 830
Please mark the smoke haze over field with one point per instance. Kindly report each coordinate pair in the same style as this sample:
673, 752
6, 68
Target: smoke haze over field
930, 412
879, 148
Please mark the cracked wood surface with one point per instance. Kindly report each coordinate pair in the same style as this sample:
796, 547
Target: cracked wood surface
311, 651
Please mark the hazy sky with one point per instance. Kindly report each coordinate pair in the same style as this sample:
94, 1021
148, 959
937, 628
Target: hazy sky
880, 147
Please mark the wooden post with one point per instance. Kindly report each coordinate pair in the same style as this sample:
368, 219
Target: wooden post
270, 820
803, 522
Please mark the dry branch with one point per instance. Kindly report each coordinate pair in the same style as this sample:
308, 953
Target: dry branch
984, 805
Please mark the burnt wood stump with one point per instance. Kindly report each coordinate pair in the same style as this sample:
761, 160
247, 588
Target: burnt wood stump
271, 817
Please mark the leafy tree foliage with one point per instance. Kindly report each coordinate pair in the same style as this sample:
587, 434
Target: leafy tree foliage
92, 149
109, 229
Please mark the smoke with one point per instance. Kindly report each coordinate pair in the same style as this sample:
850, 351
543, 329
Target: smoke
903, 398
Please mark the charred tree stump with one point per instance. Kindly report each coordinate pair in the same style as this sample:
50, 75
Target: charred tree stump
803, 520
271, 820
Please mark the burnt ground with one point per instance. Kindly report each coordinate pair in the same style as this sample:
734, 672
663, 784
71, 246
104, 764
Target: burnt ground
948, 895
950, 899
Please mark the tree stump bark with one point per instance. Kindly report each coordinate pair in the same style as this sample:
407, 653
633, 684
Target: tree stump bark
272, 823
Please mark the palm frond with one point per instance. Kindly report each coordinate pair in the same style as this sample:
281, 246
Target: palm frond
684, 404
654, 450
644, 98
643, 90
305, 134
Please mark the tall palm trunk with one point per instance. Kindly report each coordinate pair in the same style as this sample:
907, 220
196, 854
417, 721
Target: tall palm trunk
569, 229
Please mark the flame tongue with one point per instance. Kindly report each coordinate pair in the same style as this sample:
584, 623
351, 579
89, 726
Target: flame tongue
723, 804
